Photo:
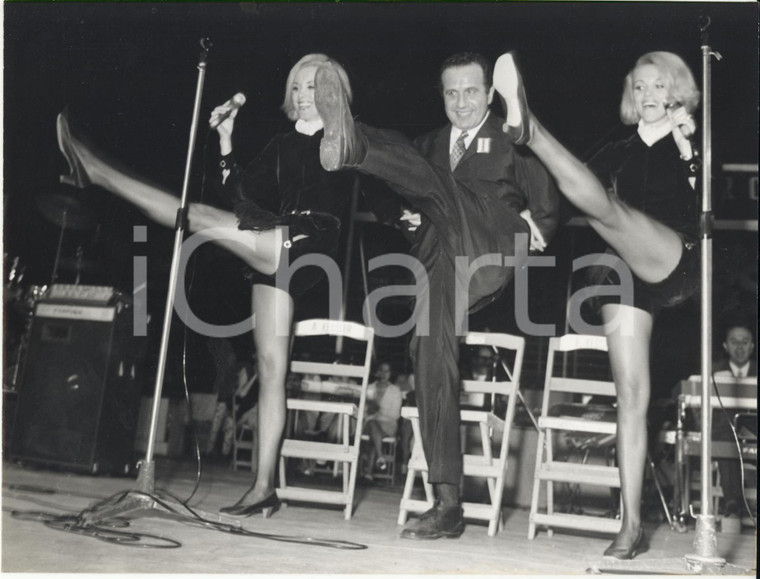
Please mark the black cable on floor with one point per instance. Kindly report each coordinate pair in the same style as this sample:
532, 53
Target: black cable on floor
195, 519
74, 524
108, 532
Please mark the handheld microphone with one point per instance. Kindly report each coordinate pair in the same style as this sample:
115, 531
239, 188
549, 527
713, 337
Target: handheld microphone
686, 130
232, 105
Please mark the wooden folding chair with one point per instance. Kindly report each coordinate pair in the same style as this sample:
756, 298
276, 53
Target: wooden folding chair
555, 421
346, 449
489, 465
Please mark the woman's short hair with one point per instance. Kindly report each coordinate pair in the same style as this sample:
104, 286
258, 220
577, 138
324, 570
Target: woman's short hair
314, 59
683, 88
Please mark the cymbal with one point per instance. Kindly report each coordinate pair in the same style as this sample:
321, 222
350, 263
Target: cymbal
65, 211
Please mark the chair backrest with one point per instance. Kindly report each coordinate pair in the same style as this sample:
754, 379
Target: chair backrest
580, 386
497, 342
324, 327
315, 328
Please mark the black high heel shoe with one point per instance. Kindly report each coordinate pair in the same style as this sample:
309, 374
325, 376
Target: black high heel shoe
637, 547
268, 506
509, 84
78, 176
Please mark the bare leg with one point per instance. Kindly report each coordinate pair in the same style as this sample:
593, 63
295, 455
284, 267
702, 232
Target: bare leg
629, 358
259, 249
650, 249
376, 436
273, 309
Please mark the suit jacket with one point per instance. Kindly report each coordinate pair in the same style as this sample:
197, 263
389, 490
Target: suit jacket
493, 167
723, 366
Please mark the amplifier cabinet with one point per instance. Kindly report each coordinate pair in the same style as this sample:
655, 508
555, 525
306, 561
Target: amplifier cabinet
79, 396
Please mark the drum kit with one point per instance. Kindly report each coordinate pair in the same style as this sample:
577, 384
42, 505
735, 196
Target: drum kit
20, 297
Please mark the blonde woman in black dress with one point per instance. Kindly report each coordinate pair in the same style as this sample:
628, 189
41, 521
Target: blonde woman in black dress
310, 202
638, 194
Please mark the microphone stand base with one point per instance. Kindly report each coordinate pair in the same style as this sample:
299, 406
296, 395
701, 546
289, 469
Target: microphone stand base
144, 501
136, 504
682, 566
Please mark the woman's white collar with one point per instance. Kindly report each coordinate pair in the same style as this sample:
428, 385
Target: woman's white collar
651, 134
309, 127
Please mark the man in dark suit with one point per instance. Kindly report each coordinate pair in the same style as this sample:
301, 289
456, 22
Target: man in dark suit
739, 363
475, 191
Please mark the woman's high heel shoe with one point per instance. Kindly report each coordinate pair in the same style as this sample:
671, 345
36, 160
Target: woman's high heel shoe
509, 84
268, 506
637, 547
78, 175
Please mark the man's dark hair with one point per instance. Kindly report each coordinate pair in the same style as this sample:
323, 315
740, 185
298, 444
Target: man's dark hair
738, 324
465, 58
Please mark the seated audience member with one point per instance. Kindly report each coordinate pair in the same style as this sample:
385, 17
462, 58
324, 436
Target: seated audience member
318, 425
384, 401
740, 362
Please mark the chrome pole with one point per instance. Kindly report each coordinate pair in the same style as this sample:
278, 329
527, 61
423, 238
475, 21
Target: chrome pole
705, 541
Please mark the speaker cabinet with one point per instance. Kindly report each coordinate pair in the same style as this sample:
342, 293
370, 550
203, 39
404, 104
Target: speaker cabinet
80, 392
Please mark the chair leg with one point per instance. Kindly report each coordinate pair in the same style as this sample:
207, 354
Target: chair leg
350, 470
549, 442
485, 441
403, 513
536, 484
429, 495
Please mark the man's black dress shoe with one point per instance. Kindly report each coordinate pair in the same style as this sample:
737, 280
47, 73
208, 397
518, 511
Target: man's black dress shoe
342, 145
268, 505
440, 521
625, 553
78, 175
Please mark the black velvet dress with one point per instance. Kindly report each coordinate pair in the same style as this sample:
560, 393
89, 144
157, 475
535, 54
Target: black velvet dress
287, 186
655, 180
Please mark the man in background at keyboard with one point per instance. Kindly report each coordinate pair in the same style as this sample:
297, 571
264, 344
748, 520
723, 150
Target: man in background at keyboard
739, 347
740, 362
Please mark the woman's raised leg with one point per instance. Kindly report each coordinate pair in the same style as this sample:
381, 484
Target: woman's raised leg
650, 249
629, 332
259, 249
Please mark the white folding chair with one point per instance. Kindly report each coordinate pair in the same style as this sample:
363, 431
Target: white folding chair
489, 465
346, 449
551, 423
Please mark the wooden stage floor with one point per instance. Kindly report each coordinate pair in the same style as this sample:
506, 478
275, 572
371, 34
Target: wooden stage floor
30, 546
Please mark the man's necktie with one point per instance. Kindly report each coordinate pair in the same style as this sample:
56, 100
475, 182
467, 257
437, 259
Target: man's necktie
458, 151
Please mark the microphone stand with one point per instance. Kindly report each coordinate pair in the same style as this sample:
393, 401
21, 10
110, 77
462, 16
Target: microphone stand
705, 543
705, 560
143, 499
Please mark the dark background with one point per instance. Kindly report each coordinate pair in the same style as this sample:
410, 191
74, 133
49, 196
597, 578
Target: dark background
128, 73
